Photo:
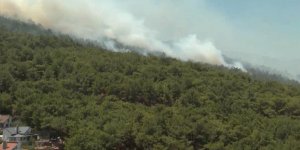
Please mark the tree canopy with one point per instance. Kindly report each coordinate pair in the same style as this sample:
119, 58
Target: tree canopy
98, 99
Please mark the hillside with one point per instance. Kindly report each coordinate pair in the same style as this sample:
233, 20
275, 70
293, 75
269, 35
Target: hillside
98, 99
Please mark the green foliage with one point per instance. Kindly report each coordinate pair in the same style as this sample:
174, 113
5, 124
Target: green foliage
97, 99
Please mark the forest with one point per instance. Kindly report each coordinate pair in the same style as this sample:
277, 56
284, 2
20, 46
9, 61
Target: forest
99, 99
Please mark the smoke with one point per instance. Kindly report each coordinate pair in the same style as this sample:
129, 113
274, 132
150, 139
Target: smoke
129, 23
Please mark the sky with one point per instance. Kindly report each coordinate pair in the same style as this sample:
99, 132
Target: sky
267, 31
259, 32
270, 20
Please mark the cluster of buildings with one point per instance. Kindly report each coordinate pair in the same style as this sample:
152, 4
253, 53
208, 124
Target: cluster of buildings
14, 137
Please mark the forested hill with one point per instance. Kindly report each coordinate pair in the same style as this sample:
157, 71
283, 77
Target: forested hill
19, 26
97, 99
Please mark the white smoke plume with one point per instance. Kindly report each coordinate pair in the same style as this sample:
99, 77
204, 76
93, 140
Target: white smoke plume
113, 19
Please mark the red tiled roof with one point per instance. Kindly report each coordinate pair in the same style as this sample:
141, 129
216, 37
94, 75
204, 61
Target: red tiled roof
9, 146
4, 118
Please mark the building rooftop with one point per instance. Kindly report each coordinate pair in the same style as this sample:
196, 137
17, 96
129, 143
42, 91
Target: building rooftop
9, 146
4, 118
16, 131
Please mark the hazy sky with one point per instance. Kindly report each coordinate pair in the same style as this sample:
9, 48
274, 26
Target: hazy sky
267, 28
275, 22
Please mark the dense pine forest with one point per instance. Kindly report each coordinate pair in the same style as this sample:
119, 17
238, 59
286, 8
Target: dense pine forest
98, 99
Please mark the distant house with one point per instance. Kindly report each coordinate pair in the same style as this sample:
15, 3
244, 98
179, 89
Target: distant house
5, 121
17, 134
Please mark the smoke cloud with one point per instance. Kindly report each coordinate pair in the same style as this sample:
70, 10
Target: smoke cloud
130, 23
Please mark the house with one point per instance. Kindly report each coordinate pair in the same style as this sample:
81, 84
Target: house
17, 134
5, 121
9, 146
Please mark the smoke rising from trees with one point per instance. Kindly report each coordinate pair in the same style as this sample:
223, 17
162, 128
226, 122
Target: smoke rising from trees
110, 21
